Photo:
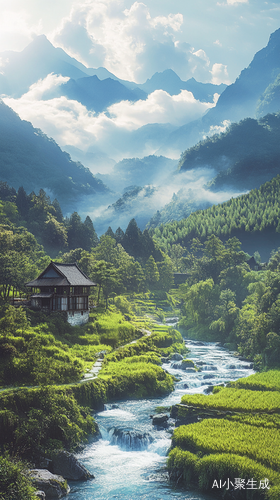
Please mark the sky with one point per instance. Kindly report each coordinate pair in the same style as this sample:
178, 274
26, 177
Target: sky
209, 40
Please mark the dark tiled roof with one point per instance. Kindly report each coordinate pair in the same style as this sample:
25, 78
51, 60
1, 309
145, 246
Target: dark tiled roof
48, 282
65, 275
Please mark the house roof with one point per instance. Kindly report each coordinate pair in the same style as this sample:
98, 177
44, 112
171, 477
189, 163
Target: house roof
57, 274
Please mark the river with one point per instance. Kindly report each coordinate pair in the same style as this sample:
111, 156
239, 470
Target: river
129, 461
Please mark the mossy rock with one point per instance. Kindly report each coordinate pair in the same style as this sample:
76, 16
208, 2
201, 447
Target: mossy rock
187, 363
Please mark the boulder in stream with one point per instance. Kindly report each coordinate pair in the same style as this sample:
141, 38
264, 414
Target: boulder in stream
176, 357
160, 419
131, 439
187, 363
66, 464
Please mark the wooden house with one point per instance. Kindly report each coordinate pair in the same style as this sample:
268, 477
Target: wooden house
62, 287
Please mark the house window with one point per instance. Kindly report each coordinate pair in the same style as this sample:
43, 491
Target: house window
60, 303
81, 303
64, 303
78, 303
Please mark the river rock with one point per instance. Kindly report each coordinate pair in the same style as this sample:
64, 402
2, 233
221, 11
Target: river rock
176, 357
165, 360
131, 439
160, 419
66, 464
208, 389
187, 363
52, 485
177, 366
174, 411
40, 494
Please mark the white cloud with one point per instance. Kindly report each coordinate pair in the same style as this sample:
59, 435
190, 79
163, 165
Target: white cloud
220, 74
129, 42
16, 28
38, 90
69, 122
159, 107
233, 2
217, 129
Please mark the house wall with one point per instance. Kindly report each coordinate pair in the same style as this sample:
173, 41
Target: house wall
77, 318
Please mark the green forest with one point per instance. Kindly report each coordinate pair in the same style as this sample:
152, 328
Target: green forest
247, 216
224, 297
239, 154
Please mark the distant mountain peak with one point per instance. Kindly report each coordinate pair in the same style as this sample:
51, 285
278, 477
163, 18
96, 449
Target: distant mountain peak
40, 44
274, 38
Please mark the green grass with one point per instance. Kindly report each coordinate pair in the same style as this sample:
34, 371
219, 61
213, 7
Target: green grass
223, 436
243, 444
236, 400
266, 381
137, 379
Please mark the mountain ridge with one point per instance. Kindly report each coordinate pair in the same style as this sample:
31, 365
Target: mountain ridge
30, 159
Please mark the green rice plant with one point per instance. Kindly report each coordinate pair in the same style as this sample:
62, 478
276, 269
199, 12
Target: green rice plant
182, 465
223, 467
265, 381
257, 419
236, 400
224, 436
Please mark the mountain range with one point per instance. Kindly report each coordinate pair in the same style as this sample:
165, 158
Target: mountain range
214, 168
239, 100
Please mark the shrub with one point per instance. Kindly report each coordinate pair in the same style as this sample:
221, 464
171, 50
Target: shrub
13, 483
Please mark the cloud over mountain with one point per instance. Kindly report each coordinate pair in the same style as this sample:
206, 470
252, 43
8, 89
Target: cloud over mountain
103, 33
69, 122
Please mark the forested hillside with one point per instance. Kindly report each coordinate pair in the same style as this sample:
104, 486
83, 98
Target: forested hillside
30, 159
244, 156
253, 218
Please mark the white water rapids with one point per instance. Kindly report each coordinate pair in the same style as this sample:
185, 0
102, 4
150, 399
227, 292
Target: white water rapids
129, 461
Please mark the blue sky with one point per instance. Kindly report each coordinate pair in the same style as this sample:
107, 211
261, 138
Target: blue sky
208, 39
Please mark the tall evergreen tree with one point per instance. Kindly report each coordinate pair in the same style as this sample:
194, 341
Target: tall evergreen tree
75, 231
23, 202
90, 236
110, 232
119, 234
151, 272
